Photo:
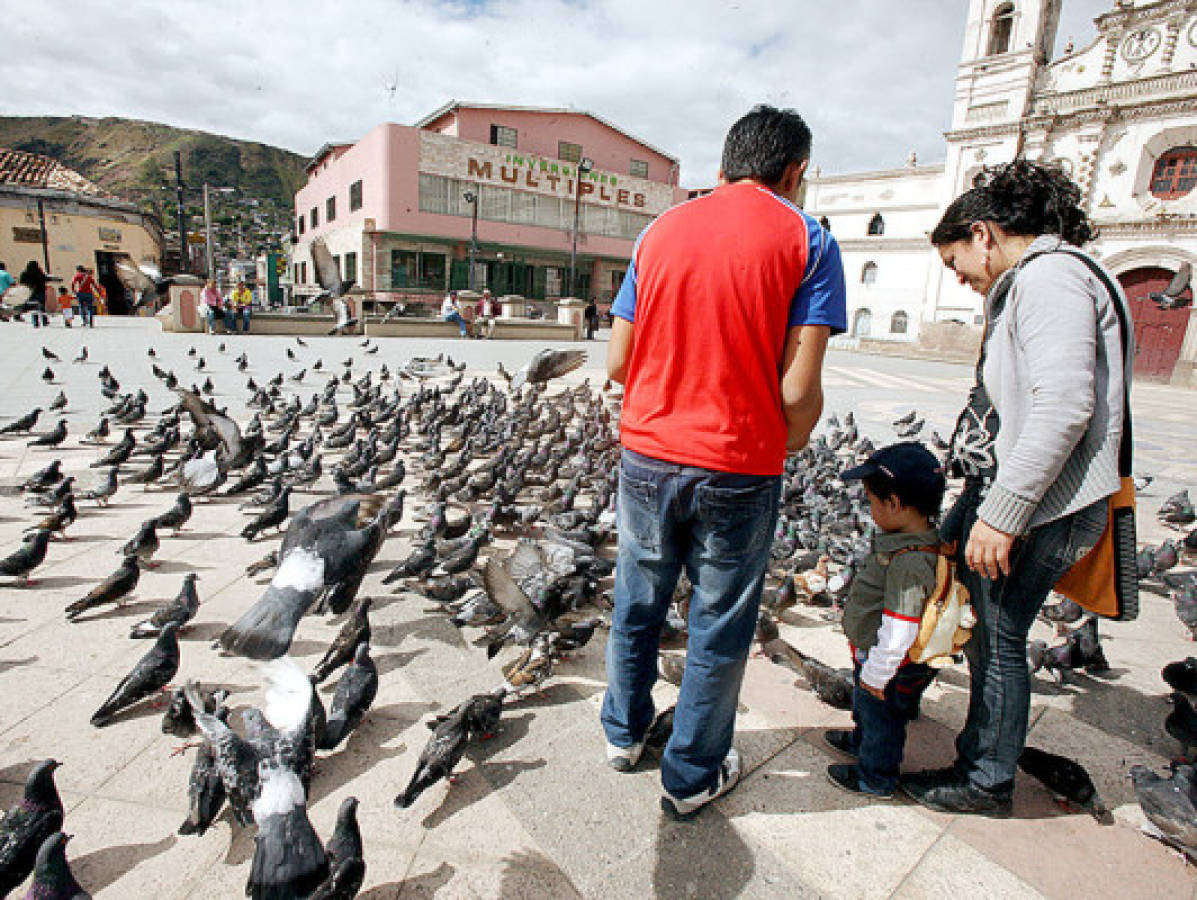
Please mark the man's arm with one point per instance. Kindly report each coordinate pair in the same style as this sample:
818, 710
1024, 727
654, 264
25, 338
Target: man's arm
619, 349
801, 381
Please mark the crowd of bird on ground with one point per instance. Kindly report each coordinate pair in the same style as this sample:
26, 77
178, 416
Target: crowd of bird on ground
515, 487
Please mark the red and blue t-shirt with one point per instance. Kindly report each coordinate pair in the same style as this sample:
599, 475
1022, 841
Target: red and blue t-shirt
713, 288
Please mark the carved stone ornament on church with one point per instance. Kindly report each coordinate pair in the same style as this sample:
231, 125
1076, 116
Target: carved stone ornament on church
1140, 44
1193, 33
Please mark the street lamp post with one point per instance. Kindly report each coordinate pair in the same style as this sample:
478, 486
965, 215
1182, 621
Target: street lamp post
471, 197
584, 167
208, 227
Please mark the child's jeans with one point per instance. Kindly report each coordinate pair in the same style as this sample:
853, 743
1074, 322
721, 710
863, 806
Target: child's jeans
880, 734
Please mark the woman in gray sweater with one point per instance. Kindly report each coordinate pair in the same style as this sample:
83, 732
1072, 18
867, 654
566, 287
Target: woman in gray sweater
1037, 445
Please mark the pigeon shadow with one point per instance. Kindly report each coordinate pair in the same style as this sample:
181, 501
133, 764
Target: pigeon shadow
706, 854
428, 628
134, 608
6, 664
101, 868
12, 781
555, 694
421, 887
85, 539
527, 872
176, 567
146, 708
61, 581
364, 748
391, 661
198, 535
204, 631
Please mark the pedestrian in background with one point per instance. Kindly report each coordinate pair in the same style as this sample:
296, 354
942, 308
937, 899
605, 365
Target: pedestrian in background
66, 305
239, 307
210, 305
451, 312
85, 289
35, 279
488, 312
592, 315
1037, 444
712, 404
6, 281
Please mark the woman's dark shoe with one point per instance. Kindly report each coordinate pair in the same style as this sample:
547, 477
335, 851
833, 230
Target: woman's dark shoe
846, 777
961, 797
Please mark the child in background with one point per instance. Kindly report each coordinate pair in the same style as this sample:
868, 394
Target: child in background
905, 485
66, 303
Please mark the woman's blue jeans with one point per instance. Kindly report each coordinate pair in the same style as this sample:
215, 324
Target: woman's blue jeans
718, 526
995, 731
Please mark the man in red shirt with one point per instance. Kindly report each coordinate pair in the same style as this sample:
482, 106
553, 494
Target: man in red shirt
719, 333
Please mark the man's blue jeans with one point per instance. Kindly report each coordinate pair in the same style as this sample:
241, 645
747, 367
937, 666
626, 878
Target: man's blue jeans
461, 325
995, 731
719, 527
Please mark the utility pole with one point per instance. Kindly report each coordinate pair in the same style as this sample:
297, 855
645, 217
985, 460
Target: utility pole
583, 168
208, 234
471, 196
183, 267
41, 217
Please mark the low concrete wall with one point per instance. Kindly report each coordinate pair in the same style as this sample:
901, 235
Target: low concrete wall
505, 329
294, 323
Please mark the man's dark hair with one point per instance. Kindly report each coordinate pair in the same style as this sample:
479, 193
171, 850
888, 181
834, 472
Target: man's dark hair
3, 267
763, 143
80, 268
925, 499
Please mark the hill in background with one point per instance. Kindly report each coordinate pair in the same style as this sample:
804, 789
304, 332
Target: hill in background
134, 160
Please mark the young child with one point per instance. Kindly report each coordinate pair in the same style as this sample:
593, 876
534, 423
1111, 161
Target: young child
66, 303
905, 485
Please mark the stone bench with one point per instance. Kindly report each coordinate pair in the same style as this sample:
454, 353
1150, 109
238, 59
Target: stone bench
505, 329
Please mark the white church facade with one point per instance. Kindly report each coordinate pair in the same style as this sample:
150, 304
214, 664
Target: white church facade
1119, 115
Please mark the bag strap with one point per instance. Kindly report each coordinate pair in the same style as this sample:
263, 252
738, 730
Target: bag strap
1126, 448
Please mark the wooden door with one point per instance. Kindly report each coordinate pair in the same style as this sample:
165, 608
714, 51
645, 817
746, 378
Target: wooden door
1159, 333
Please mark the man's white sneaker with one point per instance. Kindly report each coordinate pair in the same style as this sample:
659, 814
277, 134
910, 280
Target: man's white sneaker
624, 759
728, 778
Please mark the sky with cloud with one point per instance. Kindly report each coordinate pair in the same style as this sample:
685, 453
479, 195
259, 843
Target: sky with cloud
874, 78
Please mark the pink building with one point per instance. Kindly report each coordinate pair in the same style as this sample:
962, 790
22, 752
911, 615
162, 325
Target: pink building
398, 207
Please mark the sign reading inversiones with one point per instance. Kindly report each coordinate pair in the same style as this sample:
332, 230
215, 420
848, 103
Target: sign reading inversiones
455, 158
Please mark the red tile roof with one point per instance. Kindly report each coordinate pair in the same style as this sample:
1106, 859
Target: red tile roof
33, 170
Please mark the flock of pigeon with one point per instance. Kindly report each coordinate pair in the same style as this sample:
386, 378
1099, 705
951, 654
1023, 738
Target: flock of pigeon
514, 536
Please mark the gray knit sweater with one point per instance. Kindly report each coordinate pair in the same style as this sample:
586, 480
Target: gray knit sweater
1054, 371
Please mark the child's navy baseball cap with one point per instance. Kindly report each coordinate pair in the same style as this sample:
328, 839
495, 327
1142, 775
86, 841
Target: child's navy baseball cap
909, 469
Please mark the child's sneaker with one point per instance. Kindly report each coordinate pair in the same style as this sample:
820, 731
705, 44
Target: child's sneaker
846, 777
727, 778
840, 740
624, 759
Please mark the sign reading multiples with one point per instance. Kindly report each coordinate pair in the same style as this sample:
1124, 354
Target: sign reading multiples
452, 157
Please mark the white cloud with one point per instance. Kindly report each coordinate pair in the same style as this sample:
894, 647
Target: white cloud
873, 78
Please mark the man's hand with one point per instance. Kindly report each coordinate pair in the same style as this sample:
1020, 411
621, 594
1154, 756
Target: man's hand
988, 550
802, 382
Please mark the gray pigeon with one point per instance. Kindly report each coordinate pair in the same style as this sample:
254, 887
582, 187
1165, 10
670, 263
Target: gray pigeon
352, 699
181, 610
346, 862
27, 825
1170, 805
546, 365
152, 673
52, 876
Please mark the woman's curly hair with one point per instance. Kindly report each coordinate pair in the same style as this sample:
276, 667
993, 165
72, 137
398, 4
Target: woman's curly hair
1024, 198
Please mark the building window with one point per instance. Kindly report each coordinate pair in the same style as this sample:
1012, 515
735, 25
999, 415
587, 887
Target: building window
351, 267
314, 218
502, 136
868, 273
637, 167
355, 196
862, 323
303, 273
877, 225
415, 270
898, 322
299, 224
330, 209
295, 274
569, 152
1175, 173
337, 262
1002, 29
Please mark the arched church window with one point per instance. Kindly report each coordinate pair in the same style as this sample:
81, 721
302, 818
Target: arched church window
1002, 29
877, 224
1175, 173
897, 322
868, 273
